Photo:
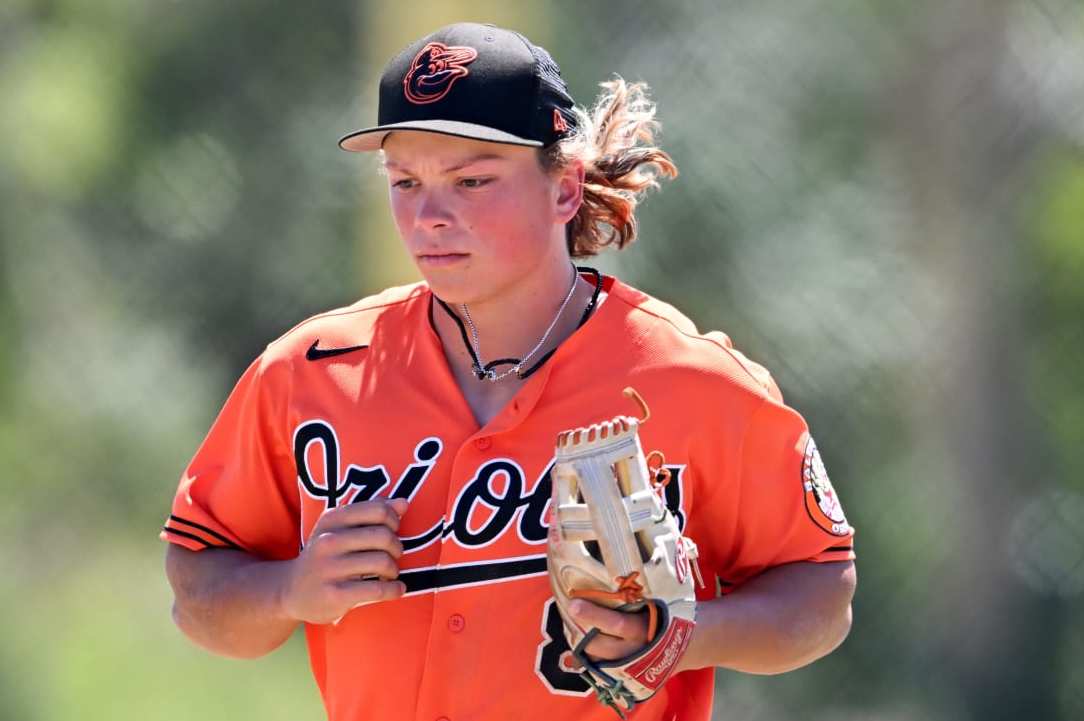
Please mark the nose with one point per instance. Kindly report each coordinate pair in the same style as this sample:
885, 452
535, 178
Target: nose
433, 212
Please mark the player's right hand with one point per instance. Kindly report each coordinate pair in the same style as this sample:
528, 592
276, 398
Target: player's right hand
351, 558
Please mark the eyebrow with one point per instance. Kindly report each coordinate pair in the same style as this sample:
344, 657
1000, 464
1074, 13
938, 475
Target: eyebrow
459, 165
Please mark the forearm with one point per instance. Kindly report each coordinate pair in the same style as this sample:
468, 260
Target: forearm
228, 601
785, 618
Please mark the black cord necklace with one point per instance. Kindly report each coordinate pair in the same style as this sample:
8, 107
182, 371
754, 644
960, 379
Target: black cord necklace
481, 371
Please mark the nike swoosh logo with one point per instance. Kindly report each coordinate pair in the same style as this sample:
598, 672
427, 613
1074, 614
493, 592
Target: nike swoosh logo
314, 353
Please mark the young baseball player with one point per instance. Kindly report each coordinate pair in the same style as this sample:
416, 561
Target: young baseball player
380, 475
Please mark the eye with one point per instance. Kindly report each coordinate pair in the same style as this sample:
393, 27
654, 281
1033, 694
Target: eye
475, 182
404, 184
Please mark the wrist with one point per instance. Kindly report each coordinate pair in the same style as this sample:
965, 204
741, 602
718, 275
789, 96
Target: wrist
276, 578
695, 654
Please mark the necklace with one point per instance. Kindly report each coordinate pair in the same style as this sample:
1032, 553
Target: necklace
485, 371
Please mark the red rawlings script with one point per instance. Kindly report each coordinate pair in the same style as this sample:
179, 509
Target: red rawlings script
435, 68
654, 668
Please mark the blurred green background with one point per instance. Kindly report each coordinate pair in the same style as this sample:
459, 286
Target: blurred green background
882, 201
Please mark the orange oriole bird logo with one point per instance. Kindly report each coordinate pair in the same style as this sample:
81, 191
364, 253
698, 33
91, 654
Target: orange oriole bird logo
435, 68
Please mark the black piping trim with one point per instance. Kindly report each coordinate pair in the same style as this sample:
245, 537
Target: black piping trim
449, 577
194, 537
205, 529
839, 548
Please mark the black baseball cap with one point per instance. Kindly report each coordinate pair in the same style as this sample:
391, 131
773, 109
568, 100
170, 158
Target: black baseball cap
472, 81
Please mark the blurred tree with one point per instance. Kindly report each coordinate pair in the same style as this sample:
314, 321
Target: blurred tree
969, 148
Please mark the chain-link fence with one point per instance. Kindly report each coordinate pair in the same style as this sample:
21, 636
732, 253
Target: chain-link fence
882, 202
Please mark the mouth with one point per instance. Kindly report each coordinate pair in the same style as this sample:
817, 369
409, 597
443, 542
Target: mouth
441, 258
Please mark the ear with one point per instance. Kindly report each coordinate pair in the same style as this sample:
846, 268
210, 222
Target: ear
568, 182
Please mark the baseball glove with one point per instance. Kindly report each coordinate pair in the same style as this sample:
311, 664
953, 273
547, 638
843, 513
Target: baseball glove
613, 541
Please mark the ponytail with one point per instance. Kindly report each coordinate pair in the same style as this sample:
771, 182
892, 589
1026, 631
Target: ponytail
615, 141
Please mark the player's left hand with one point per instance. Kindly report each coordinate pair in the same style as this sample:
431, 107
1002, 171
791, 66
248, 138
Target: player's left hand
620, 632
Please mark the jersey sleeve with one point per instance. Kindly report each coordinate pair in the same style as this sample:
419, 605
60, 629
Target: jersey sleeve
239, 491
779, 505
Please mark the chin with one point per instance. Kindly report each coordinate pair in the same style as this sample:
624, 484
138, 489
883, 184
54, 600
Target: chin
452, 289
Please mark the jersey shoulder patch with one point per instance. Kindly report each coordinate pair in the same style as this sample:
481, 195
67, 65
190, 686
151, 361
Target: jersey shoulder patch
821, 502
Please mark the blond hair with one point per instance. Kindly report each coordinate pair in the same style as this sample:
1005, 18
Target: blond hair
615, 141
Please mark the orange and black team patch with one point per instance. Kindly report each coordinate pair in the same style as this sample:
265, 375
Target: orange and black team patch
434, 70
821, 502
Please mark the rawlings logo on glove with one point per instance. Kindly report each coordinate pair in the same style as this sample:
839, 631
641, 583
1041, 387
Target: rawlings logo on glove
613, 541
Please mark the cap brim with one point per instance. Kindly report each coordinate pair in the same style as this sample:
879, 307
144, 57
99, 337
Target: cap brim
368, 139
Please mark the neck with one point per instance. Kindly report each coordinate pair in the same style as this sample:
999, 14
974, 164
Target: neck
511, 324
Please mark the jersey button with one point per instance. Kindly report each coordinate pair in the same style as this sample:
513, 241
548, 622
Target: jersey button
443, 718
483, 444
456, 623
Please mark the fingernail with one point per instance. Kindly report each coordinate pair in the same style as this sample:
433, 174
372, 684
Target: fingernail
402, 587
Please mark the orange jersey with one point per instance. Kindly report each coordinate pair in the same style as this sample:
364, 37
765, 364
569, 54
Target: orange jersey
359, 402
